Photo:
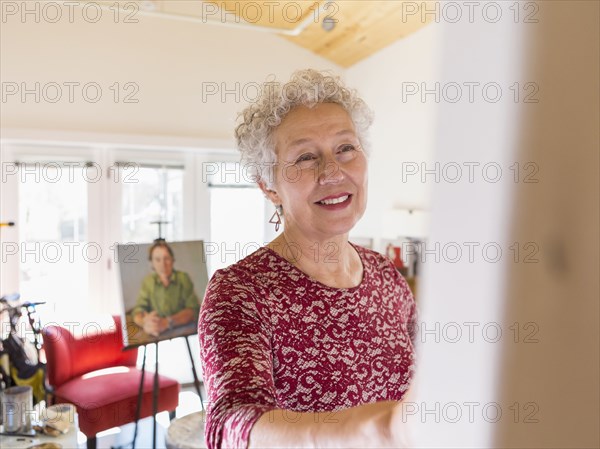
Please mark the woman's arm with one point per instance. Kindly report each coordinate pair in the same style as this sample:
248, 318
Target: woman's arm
235, 352
375, 425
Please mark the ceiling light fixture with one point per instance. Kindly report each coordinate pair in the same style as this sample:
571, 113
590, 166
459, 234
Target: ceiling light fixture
328, 24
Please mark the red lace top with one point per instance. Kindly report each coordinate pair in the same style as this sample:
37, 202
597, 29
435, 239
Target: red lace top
273, 337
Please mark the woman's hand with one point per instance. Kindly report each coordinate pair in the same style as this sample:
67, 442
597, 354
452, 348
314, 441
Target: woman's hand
382, 425
399, 427
375, 425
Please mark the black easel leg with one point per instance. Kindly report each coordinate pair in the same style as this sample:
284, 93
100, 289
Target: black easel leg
196, 381
138, 410
155, 398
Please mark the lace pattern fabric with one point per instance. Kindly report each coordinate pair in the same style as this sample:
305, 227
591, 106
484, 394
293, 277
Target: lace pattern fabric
273, 337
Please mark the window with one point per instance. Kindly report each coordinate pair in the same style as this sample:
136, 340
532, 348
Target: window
73, 204
53, 234
237, 211
151, 194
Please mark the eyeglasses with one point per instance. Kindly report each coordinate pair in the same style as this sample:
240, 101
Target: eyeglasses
313, 160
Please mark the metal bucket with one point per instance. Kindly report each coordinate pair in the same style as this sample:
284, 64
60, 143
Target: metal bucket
17, 409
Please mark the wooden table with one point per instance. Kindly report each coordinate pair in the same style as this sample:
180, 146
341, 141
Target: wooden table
187, 432
67, 441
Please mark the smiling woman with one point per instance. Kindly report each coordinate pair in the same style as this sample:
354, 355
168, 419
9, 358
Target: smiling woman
308, 342
327, 196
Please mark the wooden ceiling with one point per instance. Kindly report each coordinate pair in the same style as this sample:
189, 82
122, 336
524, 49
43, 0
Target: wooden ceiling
360, 27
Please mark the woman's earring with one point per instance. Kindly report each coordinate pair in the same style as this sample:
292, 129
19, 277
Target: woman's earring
276, 219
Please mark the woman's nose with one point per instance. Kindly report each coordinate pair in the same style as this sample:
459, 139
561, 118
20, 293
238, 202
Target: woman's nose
330, 171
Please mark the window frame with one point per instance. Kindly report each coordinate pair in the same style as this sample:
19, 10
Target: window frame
16, 152
104, 197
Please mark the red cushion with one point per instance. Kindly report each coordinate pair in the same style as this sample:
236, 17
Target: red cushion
102, 405
70, 356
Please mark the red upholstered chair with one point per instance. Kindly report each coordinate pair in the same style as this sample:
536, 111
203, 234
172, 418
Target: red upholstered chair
94, 373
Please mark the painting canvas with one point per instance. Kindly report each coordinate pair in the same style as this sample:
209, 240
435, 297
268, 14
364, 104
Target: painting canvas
162, 287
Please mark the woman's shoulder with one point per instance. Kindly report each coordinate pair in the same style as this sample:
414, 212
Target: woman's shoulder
251, 265
237, 289
244, 275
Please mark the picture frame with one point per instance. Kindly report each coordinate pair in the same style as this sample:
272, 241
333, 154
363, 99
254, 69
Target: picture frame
145, 297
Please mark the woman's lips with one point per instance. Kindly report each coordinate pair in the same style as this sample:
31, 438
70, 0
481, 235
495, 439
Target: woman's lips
336, 206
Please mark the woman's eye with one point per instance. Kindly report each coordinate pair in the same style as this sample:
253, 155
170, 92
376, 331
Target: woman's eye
346, 148
305, 157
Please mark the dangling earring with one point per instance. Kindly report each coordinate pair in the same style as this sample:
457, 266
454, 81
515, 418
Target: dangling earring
276, 219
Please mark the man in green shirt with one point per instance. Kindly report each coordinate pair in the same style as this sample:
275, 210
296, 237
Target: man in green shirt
167, 298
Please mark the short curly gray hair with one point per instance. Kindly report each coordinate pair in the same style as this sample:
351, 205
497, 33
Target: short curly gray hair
306, 87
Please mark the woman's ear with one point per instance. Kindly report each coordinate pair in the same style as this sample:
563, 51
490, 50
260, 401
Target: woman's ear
269, 193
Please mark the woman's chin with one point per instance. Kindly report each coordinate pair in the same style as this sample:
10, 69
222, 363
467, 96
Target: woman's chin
337, 229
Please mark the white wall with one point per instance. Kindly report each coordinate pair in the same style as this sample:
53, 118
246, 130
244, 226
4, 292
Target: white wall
169, 60
459, 288
403, 129
537, 383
